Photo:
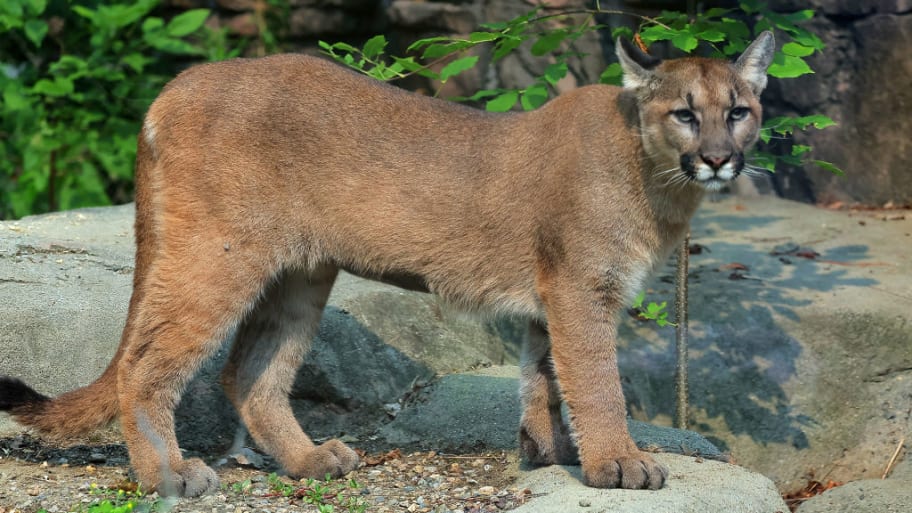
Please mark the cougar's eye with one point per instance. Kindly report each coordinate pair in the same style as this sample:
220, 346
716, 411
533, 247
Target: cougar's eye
738, 113
684, 116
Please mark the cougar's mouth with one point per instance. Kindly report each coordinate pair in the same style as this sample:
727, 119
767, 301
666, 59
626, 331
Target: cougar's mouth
712, 172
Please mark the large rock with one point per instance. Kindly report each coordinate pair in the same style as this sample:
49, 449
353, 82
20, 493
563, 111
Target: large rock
693, 486
65, 281
798, 365
481, 408
861, 81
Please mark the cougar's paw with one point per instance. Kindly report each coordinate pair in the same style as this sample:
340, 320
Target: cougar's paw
191, 479
333, 458
556, 449
635, 471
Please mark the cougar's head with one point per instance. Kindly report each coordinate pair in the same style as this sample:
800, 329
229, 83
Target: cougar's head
698, 115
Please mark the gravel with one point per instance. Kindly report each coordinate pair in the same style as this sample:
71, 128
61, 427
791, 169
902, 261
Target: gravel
37, 475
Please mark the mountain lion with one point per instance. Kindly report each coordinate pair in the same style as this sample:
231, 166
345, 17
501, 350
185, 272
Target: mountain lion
257, 180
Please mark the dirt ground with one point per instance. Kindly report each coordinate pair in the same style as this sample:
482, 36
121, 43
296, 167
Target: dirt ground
36, 475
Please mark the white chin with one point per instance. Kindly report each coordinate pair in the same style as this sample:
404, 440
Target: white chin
713, 184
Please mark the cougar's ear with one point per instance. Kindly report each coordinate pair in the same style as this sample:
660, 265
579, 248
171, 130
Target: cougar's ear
752, 64
637, 65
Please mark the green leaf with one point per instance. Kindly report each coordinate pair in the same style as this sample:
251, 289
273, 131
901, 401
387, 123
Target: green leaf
505, 46
481, 37
85, 12
496, 25
14, 100
624, 32
59, 87
800, 149
534, 97
484, 93
828, 166
374, 46
437, 50
612, 74
713, 35
820, 121
548, 42
174, 46
502, 103
788, 66
808, 39
799, 16
555, 72
35, 30
187, 22
684, 41
458, 66
345, 47
136, 61
36, 7
421, 43
797, 50
151, 24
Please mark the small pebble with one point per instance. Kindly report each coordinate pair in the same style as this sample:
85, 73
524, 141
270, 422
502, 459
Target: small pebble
585, 503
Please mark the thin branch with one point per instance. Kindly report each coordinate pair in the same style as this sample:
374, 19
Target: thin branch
681, 394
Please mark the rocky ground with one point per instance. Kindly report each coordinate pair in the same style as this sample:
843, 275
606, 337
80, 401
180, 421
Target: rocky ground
36, 476
800, 364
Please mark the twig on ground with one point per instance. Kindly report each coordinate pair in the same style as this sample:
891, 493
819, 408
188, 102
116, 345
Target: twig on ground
890, 463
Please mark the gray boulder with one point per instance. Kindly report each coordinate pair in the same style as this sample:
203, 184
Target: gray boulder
800, 339
694, 485
860, 81
480, 409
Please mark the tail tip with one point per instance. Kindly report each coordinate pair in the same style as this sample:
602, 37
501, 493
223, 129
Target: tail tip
16, 396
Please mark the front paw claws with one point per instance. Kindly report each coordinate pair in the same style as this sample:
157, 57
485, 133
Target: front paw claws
632, 472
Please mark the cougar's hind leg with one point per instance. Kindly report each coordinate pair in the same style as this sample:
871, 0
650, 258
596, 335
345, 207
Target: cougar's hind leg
268, 350
544, 437
193, 295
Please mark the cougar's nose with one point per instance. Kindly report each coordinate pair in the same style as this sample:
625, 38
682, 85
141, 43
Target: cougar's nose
715, 161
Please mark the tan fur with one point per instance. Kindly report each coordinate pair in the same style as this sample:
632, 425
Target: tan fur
257, 180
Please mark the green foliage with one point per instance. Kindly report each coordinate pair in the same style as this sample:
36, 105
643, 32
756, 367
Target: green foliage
75, 80
115, 500
327, 495
652, 311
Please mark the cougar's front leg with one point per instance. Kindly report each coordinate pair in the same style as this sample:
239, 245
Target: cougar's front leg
269, 347
544, 437
582, 317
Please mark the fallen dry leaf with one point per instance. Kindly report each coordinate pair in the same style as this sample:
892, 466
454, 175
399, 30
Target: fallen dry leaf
807, 253
374, 460
812, 489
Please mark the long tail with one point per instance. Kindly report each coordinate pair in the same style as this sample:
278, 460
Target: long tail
74, 413
96, 405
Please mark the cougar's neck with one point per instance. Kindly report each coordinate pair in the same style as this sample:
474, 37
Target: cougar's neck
671, 204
